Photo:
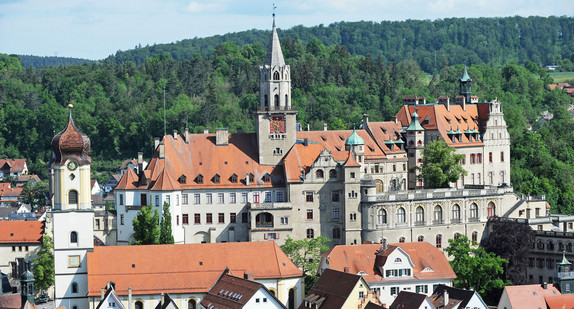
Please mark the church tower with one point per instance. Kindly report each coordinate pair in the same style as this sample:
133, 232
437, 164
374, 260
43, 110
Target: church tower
72, 215
276, 118
465, 83
415, 145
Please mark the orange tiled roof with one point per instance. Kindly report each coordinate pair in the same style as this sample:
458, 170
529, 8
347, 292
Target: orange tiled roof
10, 192
16, 165
383, 132
200, 156
559, 86
300, 159
529, 296
437, 117
362, 258
231, 292
334, 142
26, 178
189, 268
559, 301
21, 231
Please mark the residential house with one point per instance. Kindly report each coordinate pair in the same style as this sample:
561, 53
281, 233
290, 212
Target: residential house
236, 293
134, 165
110, 299
388, 269
13, 167
452, 298
336, 289
9, 194
19, 242
526, 296
410, 300
112, 182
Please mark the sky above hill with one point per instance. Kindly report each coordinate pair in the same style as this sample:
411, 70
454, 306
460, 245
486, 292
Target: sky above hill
95, 29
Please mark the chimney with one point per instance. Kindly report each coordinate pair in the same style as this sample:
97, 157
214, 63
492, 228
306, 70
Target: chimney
162, 299
324, 126
305, 141
175, 134
365, 121
103, 292
395, 119
221, 137
545, 285
155, 143
129, 298
161, 148
186, 135
446, 300
247, 179
140, 162
248, 276
206, 131
308, 128
346, 269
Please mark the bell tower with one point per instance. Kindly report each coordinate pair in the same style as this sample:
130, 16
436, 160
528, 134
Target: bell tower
72, 215
276, 118
465, 83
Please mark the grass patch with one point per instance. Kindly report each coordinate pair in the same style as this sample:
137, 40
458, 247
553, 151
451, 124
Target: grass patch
560, 77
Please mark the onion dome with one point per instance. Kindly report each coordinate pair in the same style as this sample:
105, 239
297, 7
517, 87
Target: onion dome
27, 276
71, 144
354, 139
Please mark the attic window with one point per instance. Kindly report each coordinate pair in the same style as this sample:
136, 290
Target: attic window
371, 148
199, 179
398, 260
384, 130
233, 178
324, 138
182, 179
251, 178
216, 178
342, 138
427, 269
266, 178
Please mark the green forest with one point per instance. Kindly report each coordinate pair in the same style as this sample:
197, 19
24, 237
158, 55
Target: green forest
119, 103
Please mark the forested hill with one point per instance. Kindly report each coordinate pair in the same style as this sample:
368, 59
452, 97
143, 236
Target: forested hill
39, 61
543, 40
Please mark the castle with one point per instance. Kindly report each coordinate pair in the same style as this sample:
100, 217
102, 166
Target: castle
350, 185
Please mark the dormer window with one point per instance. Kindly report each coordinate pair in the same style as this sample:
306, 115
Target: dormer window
266, 178
216, 179
199, 179
251, 178
182, 179
233, 178
398, 260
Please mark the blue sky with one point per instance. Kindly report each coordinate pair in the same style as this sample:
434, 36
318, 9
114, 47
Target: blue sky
95, 29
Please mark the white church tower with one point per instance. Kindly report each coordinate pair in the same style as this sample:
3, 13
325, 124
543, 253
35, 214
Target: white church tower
276, 118
72, 215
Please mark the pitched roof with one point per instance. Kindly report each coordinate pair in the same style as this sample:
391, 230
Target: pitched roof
332, 289
362, 258
334, 142
559, 301
26, 178
458, 298
386, 132
21, 232
189, 268
166, 302
529, 296
15, 165
300, 159
408, 300
232, 292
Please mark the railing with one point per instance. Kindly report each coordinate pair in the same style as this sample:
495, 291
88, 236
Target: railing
565, 275
276, 108
425, 194
263, 224
269, 205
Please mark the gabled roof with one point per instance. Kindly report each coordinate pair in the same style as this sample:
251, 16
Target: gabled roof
15, 165
362, 258
299, 160
129, 181
458, 298
26, 178
332, 289
21, 232
383, 132
188, 268
166, 302
408, 300
564, 301
351, 162
110, 295
334, 142
529, 296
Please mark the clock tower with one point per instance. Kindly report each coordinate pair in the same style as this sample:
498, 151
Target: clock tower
72, 215
276, 118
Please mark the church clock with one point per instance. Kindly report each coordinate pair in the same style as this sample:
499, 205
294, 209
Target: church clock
277, 125
72, 165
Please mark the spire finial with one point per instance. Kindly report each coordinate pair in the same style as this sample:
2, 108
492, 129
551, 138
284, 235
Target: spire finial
274, 7
70, 106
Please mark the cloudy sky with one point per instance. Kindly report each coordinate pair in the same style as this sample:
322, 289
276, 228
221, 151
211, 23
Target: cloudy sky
95, 29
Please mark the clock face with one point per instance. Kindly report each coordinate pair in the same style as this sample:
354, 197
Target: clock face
72, 165
277, 125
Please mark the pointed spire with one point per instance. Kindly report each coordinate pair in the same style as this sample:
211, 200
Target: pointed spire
465, 77
274, 53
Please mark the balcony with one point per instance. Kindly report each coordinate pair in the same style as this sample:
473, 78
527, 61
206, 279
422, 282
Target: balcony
263, 225
133, 207
269, 205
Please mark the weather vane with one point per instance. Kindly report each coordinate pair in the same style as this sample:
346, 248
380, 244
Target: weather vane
274, 7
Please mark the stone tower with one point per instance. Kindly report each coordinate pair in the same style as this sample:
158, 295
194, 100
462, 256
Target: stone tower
465, 83
27, 285
415, 145
276, 118
564, 276
72, 215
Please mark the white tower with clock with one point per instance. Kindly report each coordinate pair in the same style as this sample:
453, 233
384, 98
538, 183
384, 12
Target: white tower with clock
276, 118
72, 215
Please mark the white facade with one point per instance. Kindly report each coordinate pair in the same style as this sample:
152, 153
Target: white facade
262, 299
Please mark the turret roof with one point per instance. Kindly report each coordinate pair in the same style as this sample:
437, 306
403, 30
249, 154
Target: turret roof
465, 77
354, 139
274, 54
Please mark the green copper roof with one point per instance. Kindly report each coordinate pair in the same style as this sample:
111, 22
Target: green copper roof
354, 139
415, 125
465, 77
564, 260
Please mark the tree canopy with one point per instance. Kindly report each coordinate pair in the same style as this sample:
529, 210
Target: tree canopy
441, 165
43, 265
146, 226
165, 235
306, 254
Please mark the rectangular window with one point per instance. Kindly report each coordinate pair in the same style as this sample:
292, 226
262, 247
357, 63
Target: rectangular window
271, 235
208, 218
336, 214
255, 197
177, 219
463, 159
221, 218
232, 217
184, 199
168, 200
157, 200
220, 198
352, 175
267, 197
197, 219
244, 198
394, 290
490, 157
284, 220
122, 219
502, 156
121, 199
309, 197
244, 217
309, 214
279, 196
196, 198
209, 198
97, 224
422, 289
232, 198
335, 196
185, 219
472, 158
361, 295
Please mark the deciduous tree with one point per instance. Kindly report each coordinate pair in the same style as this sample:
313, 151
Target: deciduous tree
43, 265
165, 236
306, 253
146, 226
441, 165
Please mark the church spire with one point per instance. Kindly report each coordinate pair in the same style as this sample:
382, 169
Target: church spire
274, 54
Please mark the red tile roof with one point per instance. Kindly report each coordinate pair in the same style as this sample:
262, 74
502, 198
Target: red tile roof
332, 289
529, 296
21, 232
560, 301
16, 165
383, 132
300, 159
334, 142
189, 268
363, 257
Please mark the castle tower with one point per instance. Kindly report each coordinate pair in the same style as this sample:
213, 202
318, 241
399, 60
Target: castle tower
27, 285
465, 83
72, 215
355, 145
415, 146
496, 147
276, 118
564, 276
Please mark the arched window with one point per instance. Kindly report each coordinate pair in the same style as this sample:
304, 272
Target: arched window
569, 247
438, 214
74, 287
550, 245
266, 100
491, 209
276, 100
474, 237
421, 238
138, 305
276, 75
73, 197
473, 211
310, 233
401, 215
456, 213
319, 174
382, 216
402, 240
540, 245
332, 174
291, 300
74, 237
456, 236
560, 246
420, 215
380, 187
192, 304
286, 100
439, 241
264, 219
